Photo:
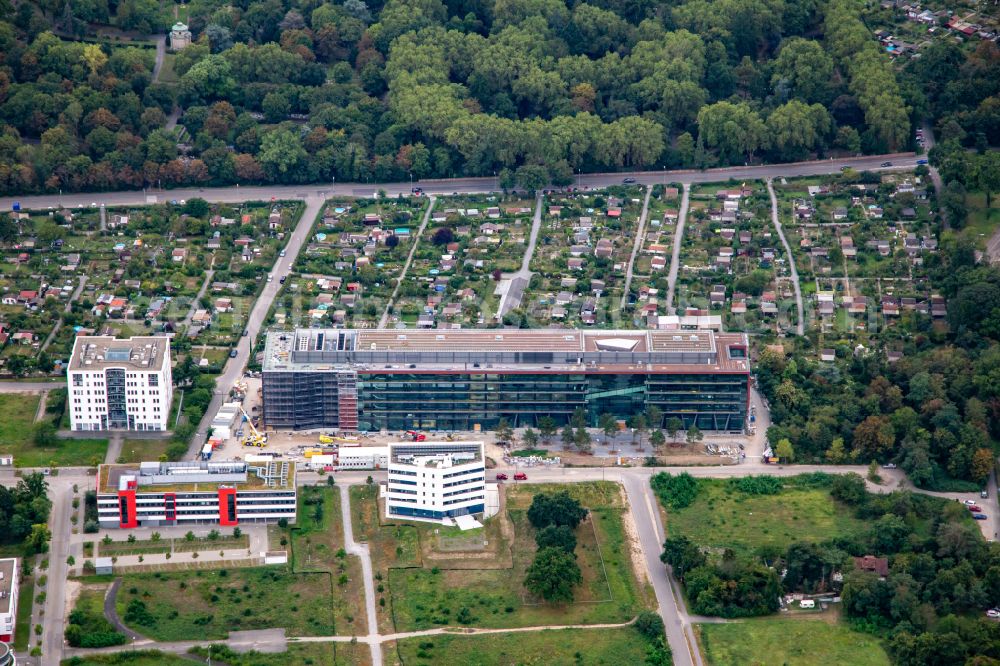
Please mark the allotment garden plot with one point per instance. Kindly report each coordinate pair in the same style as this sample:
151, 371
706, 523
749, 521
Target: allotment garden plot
582, 258
351, 263
469, 242
860, 242
141, 270
731, 262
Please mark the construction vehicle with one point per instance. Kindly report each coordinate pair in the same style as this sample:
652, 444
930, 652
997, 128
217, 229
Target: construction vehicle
255, 438
415, 436
325, 439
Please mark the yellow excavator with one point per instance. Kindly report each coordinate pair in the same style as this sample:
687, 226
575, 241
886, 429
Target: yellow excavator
255, 438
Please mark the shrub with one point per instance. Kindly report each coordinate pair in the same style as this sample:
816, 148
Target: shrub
650, 625
676, 492
757, 485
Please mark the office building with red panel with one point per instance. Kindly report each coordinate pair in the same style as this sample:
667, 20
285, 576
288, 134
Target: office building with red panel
225, 493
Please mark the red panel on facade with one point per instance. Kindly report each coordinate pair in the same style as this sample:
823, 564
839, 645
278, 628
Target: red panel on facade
126, 509
7, 638
227, 506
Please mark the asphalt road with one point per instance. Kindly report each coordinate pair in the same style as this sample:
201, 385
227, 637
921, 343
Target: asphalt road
234, 367
237, 194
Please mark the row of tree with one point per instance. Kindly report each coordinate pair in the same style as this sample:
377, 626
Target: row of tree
24, 514
532, 90
554, 572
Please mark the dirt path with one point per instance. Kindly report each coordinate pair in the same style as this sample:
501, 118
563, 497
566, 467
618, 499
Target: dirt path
637, 246
409, 260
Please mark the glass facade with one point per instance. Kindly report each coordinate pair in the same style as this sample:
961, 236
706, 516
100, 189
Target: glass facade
463, 400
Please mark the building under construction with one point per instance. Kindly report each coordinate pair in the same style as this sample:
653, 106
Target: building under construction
462, 379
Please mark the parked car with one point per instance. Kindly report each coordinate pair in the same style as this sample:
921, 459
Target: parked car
984, 493
975, 508
270, 278
283, 278
890, 465
281, 254
501, 477
979, 516
520, 476
246, 332
969, 502
993, 612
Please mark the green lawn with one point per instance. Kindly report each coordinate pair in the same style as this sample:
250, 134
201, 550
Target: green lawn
16, 430
211, 603
143, 450
788, 643
723, 518
981, 222
22, 626
556, 648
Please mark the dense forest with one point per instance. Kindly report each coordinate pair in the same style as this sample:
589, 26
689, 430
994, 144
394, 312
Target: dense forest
934, 412
291, 91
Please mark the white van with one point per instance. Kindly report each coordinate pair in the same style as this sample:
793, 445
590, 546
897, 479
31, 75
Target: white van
807, 603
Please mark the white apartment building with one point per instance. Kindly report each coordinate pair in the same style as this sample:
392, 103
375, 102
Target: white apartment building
119, 384
436, 479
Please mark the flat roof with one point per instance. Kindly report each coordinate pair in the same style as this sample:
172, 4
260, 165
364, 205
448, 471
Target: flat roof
433, 454
8, 567
520, 350
98, 352
109, 478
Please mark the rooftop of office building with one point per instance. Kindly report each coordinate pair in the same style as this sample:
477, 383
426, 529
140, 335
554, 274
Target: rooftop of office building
435, 454
196, 476
8, 568
98, 352
556, 350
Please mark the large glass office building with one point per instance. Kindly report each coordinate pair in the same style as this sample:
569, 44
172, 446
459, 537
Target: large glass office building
460, 379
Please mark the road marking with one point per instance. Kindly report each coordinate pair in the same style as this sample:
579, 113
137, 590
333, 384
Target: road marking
652, 517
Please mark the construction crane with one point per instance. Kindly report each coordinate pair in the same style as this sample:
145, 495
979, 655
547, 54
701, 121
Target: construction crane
255, 438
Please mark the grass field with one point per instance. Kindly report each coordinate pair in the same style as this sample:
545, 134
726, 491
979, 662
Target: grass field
16, 430
140, 450
723, 518
788, 642
317, 546
211, 603
137, 658
552, 648
315, 654
426, 589
148, 546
